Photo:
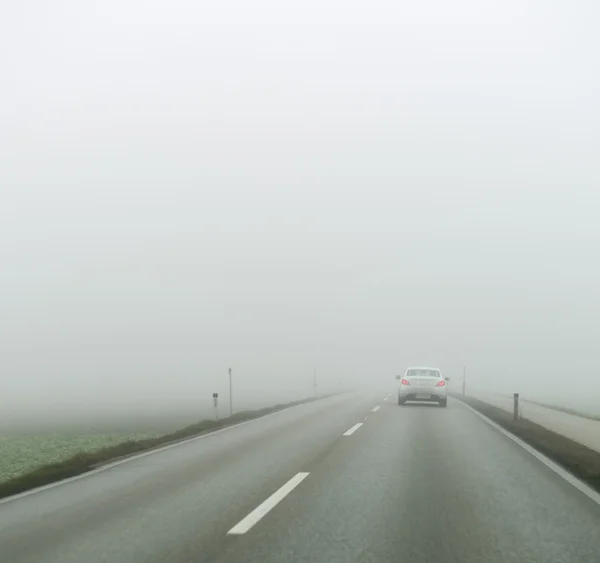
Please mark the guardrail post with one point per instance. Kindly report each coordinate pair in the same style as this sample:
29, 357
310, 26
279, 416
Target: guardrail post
516, 406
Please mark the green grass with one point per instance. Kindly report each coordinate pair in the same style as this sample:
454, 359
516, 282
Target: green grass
35, 461
567, 410
21, 453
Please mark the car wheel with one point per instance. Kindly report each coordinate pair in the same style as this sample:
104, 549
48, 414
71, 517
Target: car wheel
443, 402
401, 402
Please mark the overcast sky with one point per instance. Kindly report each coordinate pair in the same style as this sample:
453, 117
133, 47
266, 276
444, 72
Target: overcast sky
358, 186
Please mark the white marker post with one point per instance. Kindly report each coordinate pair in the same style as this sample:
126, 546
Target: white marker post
230, 395
216, 405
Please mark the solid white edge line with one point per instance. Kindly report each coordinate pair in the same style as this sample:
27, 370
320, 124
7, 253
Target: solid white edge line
265, 507
375, 409
560, 471
352, 430
139, 456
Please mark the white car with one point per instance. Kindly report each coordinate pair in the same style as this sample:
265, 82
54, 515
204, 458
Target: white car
423, 384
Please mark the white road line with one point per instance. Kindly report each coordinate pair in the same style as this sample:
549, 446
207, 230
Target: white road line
352, 430
570, 478
385, 398
263, 509
376, 408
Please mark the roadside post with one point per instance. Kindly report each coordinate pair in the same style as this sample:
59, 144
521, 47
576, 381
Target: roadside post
216, 405
516, 406
230, 394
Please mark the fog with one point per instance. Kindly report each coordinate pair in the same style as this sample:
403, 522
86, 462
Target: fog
356, 187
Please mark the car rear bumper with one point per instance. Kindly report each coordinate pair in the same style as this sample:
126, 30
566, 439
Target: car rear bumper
421, 393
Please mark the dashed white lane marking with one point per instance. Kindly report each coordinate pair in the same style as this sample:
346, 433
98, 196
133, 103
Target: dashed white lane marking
385, 398
352, 430
264, 508
375, 409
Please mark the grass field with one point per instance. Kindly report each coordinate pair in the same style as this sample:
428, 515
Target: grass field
22, 452
567, 410
26, 444
33, 459
31, 442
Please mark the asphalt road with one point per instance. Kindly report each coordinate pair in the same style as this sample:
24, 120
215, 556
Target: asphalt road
411, 484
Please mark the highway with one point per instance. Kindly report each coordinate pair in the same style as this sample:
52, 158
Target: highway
350, 478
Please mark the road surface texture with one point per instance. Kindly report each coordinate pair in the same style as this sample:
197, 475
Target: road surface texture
579, 429
351, 478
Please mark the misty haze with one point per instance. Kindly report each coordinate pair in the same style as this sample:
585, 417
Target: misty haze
316, 196
182, 198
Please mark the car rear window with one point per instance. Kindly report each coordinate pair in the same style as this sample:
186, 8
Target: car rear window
423, 373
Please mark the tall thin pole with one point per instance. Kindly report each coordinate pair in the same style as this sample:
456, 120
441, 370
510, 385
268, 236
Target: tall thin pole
464, 380
230, 395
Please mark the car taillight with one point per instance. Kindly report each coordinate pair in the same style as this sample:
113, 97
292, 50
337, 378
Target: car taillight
440, 383
405, 381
